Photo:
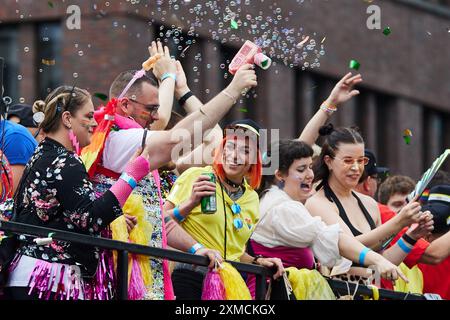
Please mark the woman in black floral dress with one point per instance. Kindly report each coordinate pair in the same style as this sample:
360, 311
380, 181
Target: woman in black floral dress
55, 193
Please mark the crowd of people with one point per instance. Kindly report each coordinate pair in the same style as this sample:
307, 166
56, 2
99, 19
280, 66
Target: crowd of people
70, 166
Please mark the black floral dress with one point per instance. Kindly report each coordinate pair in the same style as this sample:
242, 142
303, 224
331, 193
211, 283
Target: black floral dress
55, 192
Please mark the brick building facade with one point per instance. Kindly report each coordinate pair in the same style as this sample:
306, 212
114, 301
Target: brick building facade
406, 75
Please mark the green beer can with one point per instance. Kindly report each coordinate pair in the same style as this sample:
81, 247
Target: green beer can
209, 204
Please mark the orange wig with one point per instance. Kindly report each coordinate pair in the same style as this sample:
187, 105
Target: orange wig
254, 175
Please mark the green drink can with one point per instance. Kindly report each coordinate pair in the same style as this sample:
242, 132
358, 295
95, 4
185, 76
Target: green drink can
209, 204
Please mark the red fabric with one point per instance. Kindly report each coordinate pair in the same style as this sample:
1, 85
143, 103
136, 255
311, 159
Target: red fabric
419, 248
436, 278
386, 213
106, 172
98, 141
417, 251
6, 179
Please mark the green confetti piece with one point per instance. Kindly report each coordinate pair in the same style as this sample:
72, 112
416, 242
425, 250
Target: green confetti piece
50, 4
387, 31
243, 110
407, 139
354, 64
234, 24
101, 96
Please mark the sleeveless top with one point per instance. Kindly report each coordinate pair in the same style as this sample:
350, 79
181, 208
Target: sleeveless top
331, 196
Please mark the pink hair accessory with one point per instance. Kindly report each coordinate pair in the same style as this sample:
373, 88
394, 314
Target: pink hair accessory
73, 139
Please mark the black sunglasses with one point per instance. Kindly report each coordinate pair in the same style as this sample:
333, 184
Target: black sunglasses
152, 108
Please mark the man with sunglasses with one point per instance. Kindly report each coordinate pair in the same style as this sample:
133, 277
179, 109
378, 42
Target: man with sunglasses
122, 124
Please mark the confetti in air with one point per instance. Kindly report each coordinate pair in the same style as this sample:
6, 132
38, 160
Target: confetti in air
354, 65
407, 134
101, 96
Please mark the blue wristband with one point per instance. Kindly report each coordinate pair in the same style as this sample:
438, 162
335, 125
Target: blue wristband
129, 179
177, 215
168, 75
362, 255
403, 246
195, 247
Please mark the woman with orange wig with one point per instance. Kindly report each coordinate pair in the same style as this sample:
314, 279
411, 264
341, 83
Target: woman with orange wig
237, 170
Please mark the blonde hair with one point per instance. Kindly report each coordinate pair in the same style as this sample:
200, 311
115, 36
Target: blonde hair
64, 98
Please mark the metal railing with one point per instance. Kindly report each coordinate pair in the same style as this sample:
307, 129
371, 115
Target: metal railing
123, 249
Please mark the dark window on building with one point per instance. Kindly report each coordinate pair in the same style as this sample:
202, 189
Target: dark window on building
49, 48
8, 49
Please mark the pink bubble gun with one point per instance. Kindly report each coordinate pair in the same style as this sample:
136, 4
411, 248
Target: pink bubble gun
249, 53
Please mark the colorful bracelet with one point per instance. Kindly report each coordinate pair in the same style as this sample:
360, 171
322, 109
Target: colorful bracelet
362, 255
195, 248
128, 179
403, 246
328, 109
177, 215
168, 75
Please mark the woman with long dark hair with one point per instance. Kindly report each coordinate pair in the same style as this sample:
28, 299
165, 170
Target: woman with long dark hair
339, 169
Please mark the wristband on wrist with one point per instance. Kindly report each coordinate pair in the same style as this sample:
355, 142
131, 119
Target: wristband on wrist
229, 95
409, 240
128, 179
195, 248
168, 75
362, 255
403, 246
329, 109
255, 259
184, 98
177, 215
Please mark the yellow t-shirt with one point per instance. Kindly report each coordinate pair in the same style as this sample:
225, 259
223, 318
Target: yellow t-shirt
208, 229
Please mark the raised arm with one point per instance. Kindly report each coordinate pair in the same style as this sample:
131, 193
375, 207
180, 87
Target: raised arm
191, 103
166, 87
202, 154
342, 92
160, 144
